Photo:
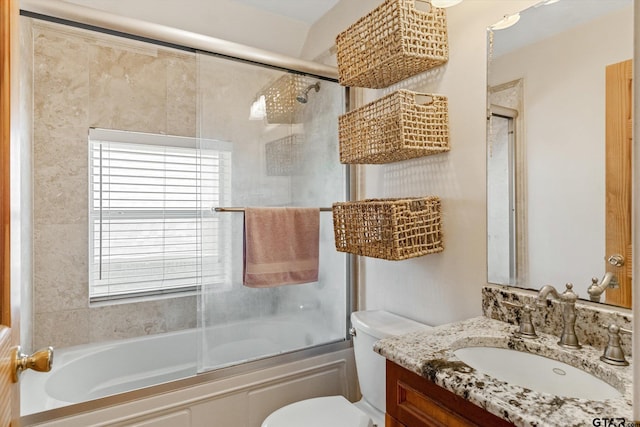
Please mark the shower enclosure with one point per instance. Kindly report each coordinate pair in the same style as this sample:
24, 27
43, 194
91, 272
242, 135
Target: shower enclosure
144, 156
286, 154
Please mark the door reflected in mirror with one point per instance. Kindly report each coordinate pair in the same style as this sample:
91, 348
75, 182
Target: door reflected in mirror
558, 149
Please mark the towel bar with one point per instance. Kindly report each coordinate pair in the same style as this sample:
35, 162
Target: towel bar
242, 209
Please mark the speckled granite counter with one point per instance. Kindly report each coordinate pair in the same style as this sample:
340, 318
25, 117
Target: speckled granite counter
430, 354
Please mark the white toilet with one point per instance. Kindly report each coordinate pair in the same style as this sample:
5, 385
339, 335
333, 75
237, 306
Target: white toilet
336, 411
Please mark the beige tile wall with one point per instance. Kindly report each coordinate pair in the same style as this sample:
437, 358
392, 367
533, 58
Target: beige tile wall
82, 79
25, 258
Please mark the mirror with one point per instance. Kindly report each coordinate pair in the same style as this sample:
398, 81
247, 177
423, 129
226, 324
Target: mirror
559, 148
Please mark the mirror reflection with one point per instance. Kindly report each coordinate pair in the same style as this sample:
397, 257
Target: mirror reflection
559, 148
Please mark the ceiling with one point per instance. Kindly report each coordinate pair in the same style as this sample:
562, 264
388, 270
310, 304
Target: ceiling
542, 21
307, 11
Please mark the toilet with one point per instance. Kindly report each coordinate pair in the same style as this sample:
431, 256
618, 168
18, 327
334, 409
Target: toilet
336, 411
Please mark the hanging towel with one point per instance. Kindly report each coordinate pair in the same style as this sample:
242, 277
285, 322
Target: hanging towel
280, 246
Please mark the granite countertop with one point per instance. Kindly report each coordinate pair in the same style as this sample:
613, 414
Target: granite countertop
429, 353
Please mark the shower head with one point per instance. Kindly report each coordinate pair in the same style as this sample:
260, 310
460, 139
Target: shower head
303, 96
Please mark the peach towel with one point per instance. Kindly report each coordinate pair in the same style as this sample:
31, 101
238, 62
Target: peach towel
280, 246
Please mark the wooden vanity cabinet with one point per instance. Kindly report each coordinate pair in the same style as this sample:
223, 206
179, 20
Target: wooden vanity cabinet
414, 401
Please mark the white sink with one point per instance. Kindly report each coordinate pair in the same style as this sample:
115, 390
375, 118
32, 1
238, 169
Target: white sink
536, 373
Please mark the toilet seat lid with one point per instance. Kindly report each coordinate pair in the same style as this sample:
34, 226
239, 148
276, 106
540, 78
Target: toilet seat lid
332, 411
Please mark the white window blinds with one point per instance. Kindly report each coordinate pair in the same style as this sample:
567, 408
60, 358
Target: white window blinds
150, 217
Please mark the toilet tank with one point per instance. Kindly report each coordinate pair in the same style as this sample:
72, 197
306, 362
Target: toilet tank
371, 326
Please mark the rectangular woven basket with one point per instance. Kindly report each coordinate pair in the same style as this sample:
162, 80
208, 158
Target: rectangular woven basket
391, 229
397, 40
399, 126
280, 99
284, 156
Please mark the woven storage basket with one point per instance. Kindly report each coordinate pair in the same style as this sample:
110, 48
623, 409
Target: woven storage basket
391, 229
395, 41
280, 99
399, 126
284, 156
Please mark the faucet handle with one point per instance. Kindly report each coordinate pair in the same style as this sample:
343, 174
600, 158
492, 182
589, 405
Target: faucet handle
568, 295
613, 353
617, 329
616, 260
512, 304
526, 328
517, 305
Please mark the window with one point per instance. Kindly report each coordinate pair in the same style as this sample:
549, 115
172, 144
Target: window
150, 212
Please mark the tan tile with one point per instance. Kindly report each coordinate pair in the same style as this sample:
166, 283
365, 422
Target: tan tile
60, 79
60, 194
180, 313
62, 147
128, 90
126, 321
181, 94
61, 328
60, 275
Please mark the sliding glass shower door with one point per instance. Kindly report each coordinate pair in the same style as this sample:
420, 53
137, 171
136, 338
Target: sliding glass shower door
280, 139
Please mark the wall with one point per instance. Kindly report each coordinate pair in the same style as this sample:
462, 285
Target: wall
224, 19
23, 270
445, 287
564, 122
322, 34
82, 80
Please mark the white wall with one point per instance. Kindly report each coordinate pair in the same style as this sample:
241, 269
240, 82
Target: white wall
564, 122
224, 19
443, 287
322, 35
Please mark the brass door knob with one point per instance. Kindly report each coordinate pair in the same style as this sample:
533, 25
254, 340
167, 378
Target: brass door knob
40, 361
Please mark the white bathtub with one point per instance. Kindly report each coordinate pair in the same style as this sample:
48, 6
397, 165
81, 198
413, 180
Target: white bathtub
88, 372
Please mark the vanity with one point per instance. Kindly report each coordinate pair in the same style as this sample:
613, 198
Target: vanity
416, 401
428, 383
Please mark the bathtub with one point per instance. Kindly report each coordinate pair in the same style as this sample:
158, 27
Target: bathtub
89, 372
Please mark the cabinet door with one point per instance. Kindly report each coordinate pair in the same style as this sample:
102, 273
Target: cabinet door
417, 402
392, 422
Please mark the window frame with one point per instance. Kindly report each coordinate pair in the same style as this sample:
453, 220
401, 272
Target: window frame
202, 212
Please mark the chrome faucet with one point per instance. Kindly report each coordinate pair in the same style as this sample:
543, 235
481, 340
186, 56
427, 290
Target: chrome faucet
610, 280
567, 300
526, 328
613, 353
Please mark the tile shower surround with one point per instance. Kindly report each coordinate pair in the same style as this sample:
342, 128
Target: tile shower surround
84, 80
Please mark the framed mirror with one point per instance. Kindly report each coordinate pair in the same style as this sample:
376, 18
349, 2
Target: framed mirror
559, 148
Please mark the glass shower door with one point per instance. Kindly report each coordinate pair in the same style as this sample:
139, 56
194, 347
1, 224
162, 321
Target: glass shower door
280, 140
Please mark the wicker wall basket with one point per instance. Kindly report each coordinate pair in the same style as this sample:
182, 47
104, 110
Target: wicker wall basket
397, 40
392, 229
284, 156
280, 99
399, 126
